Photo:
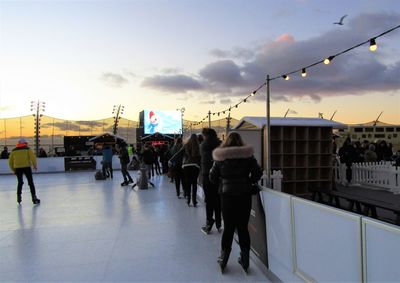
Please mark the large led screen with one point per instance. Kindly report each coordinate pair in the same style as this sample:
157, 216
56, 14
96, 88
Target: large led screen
163, 122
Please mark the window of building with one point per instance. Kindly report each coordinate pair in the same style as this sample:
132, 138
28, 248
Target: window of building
390, 130
369, 130
358, 130
363, 136
397, 129
369, 135
379, 129
395, 135
380, 136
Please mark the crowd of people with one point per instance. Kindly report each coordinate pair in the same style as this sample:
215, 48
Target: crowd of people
356, 152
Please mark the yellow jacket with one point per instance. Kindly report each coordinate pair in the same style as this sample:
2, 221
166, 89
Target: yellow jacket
21, 157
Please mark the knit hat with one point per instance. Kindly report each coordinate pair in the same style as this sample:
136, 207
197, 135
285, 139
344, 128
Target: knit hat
22, 142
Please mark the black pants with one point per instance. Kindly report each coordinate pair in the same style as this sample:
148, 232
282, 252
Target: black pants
236, 214
109, 166
27, 171
179, 179
157, 167
125, 173
212, 200
191, 174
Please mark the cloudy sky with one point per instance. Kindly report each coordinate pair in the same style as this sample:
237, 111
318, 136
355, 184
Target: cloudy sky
83, 57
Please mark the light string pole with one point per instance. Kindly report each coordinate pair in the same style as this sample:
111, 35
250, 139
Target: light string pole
37, 107
268, 125
118, 111
182, 110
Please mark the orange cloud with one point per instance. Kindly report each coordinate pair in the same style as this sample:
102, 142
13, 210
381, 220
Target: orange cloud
285, 38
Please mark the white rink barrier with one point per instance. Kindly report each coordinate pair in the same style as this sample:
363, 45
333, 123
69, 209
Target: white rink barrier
380, 175
56, 164
312, 242
276, 179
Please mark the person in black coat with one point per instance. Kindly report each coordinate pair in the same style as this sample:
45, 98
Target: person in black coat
347, 155
212, 199
124, 160
235, 170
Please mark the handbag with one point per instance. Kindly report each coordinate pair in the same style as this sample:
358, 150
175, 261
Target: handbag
255, 189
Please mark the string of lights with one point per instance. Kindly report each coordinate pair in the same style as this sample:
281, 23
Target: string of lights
303, 71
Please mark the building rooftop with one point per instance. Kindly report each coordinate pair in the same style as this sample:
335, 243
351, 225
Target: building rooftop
251, 122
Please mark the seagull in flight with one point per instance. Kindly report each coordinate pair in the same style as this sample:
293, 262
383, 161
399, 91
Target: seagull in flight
341, 21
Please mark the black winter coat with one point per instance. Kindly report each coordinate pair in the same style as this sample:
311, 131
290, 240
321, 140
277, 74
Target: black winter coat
124, 155
235, 169
206, 149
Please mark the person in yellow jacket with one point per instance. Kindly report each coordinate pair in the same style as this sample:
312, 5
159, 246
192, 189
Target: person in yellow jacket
20, 161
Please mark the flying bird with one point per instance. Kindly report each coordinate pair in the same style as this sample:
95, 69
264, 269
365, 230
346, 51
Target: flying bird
341, 21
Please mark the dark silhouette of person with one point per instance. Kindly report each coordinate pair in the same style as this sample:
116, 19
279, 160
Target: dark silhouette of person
235, 170
212, 199
21, 161
4, 154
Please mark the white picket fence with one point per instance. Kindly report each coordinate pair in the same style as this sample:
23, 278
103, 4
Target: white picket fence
276, 179
380, 175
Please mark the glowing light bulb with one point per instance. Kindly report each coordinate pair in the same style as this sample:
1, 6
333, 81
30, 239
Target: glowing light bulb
303, 73
328, 60
372, 45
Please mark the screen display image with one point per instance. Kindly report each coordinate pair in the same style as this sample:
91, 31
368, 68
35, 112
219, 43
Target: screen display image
163, 122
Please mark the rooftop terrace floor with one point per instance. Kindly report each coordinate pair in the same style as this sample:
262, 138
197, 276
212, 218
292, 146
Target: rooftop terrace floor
87, 230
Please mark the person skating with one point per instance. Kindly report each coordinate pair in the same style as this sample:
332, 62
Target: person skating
21, 161
191, 168
124, 160
235, 169
212, 199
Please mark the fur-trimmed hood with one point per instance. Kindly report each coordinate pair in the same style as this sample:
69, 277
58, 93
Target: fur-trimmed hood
232, 152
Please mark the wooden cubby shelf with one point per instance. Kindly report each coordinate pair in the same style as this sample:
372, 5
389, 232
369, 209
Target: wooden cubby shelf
303, 154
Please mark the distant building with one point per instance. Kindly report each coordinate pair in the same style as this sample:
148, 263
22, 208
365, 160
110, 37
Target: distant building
373, 132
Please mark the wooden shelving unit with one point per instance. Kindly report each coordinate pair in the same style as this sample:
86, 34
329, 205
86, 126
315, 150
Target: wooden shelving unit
303, 154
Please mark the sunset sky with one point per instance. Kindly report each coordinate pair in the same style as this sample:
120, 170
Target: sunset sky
83, 57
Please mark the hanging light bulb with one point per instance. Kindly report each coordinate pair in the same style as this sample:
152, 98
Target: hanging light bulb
303, 72
286, 77
253, 93
328, 60
245, 100
372, 45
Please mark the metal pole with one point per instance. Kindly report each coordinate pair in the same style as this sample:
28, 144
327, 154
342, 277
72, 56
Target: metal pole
37, 127
209, 119
268, 145
5, 131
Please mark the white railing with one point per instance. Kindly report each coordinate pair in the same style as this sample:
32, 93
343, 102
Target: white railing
276, 179
380, 175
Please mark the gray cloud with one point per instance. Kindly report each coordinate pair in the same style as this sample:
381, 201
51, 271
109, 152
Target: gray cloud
172, 83
354, 73
208, 102
235, 53
114, 80
224, 72
219, 53
225, 101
